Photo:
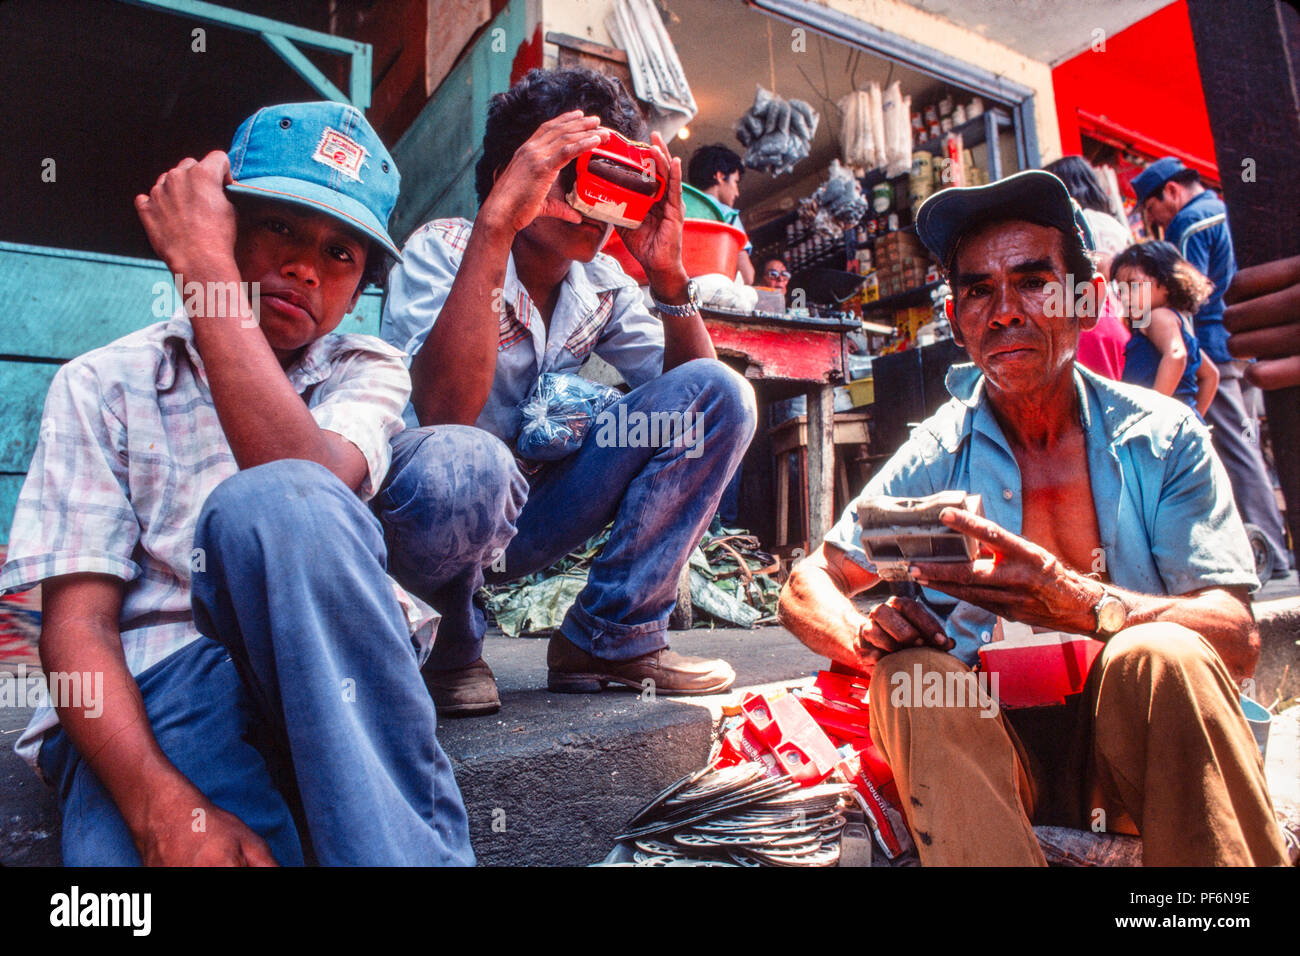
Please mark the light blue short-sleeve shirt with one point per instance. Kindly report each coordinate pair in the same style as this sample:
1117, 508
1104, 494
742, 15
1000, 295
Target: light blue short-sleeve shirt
599, 310
1165, 512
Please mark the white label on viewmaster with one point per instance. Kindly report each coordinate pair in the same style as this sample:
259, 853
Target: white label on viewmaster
339, 152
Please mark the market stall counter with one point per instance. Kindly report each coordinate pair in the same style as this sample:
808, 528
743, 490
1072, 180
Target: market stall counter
784, 354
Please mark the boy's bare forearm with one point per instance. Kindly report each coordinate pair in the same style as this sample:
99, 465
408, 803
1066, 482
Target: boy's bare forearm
451, 375
80, 642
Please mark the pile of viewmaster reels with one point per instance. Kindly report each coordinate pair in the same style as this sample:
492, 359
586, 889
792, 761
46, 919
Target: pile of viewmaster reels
793, 780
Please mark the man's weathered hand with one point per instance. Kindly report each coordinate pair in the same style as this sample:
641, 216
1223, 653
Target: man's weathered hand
190, 222
520, 193
1021, 582
189, 830
1263, 316
897, 624
657, 242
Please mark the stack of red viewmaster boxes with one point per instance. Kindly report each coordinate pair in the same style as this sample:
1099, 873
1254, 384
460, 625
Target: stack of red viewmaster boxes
822, 730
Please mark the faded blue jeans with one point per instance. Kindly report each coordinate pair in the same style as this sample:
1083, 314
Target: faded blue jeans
302, 711
456, 506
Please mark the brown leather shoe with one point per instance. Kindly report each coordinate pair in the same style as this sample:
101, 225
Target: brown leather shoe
571, 670
467, 692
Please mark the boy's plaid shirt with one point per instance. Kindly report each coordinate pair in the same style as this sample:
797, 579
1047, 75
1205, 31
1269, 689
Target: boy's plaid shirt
130, 448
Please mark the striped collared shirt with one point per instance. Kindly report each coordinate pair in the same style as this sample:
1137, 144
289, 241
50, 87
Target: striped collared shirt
130, 448
600, 310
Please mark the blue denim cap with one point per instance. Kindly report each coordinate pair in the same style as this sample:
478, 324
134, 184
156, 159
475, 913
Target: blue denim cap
1034, 195
1152, 179
323, 156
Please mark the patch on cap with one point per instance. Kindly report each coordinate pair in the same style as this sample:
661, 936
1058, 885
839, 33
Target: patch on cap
339, 152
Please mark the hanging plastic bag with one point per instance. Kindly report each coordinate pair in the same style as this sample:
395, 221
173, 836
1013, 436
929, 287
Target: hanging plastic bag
896, 111
777, 133
857, 138
878, 126
840, 197
559, 414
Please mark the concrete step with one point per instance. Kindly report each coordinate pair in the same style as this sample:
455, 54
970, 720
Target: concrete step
552, 778
549, 780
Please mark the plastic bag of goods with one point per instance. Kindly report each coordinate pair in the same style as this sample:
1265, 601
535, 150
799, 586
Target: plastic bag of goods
896, 109
559, 413
857, 137
777, 133
841, 197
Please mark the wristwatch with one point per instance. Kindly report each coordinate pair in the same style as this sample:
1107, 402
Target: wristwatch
1110, 615
691, 307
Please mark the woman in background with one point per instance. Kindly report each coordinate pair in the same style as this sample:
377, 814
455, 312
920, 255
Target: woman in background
1101, 348
1159, 291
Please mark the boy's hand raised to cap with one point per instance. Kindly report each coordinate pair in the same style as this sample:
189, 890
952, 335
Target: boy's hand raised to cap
522, 190
190, 222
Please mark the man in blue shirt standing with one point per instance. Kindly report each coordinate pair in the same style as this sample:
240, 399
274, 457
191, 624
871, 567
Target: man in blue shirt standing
1195, 220
1107, 515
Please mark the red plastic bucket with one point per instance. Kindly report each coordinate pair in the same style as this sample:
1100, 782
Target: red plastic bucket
706, 247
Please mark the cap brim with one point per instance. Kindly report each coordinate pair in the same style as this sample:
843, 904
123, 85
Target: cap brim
1036, 194
313, 196
1147, 189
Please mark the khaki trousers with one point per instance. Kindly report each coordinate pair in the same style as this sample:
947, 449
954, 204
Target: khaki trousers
1155, 745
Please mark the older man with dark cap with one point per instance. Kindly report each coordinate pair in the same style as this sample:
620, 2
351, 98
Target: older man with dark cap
196, 514
1195, 220
1105, 514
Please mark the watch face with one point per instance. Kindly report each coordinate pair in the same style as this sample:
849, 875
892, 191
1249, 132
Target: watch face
1110, 614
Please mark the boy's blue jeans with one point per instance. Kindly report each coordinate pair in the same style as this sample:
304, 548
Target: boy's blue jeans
302, 711
455, 505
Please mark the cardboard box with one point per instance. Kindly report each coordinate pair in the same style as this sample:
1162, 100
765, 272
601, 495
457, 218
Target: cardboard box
1037, 669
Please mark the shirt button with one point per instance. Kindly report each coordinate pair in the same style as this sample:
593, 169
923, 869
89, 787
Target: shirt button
1006, 493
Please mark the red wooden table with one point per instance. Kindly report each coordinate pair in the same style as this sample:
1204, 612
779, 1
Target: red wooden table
811, 353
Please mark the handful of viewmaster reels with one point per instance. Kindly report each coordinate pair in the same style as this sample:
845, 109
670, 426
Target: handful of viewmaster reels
617, 182
898, 531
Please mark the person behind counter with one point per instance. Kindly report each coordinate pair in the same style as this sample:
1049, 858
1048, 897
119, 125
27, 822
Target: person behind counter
775, 276
484, 309
710, 192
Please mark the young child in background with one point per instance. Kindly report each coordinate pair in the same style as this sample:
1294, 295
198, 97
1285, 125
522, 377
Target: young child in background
1159, 291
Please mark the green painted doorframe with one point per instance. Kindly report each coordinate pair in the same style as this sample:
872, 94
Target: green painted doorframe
282, 38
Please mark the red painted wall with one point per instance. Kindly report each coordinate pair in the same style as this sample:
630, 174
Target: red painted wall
1145, 81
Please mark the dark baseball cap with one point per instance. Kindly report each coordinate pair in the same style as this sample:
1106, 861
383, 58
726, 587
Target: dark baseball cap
1152, 179
323, 156
1034, 195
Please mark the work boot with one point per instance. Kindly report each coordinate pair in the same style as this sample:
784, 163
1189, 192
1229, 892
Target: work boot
571, 670
464, 692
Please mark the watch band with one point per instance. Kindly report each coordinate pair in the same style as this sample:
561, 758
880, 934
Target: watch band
675, 311
691, 307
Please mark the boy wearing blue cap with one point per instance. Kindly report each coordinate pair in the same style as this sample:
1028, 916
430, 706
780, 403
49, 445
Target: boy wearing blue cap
233, 677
